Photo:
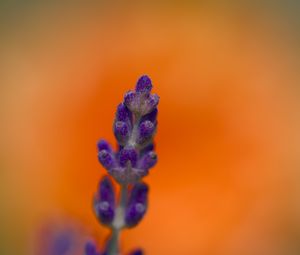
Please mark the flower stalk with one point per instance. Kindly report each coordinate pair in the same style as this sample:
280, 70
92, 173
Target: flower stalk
134, 128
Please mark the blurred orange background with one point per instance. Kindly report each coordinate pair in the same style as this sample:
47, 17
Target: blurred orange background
227, 180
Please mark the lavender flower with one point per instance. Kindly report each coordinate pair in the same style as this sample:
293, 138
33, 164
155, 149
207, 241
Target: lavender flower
134, 127
137, 204
104, 202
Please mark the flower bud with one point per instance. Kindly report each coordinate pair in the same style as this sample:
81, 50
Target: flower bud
128, 154
107, 159
150, 103
105, 201
137, 205
146, 130
131, 101
143, 85
121, 131
123, 113
148, 160
103, 145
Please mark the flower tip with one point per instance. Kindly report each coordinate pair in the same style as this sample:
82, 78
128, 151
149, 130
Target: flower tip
103, 145
106, 159
144, 85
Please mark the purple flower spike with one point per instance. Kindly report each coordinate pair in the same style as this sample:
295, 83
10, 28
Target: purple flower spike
105, 201
107, 159
134, 127
148, 160
144, 85
136, 252
137, 205
121, 131
128, 154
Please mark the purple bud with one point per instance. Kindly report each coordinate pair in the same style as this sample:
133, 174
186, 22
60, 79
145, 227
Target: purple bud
137, 205
104, 145
104, 212
105, 201
136, 252
151, 103
121, 131
146, 129
106, 190
130, 100
143, 85
128, 154
123, 113
107, 159
148, 160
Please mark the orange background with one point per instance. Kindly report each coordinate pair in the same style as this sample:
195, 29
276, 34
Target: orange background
227, 180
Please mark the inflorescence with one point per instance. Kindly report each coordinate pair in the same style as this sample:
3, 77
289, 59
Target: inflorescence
134, 128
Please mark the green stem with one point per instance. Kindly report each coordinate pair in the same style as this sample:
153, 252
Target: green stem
118, 223
113, 243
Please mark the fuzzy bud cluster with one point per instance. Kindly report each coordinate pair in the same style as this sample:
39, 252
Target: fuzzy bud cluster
135, 207
134, 127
